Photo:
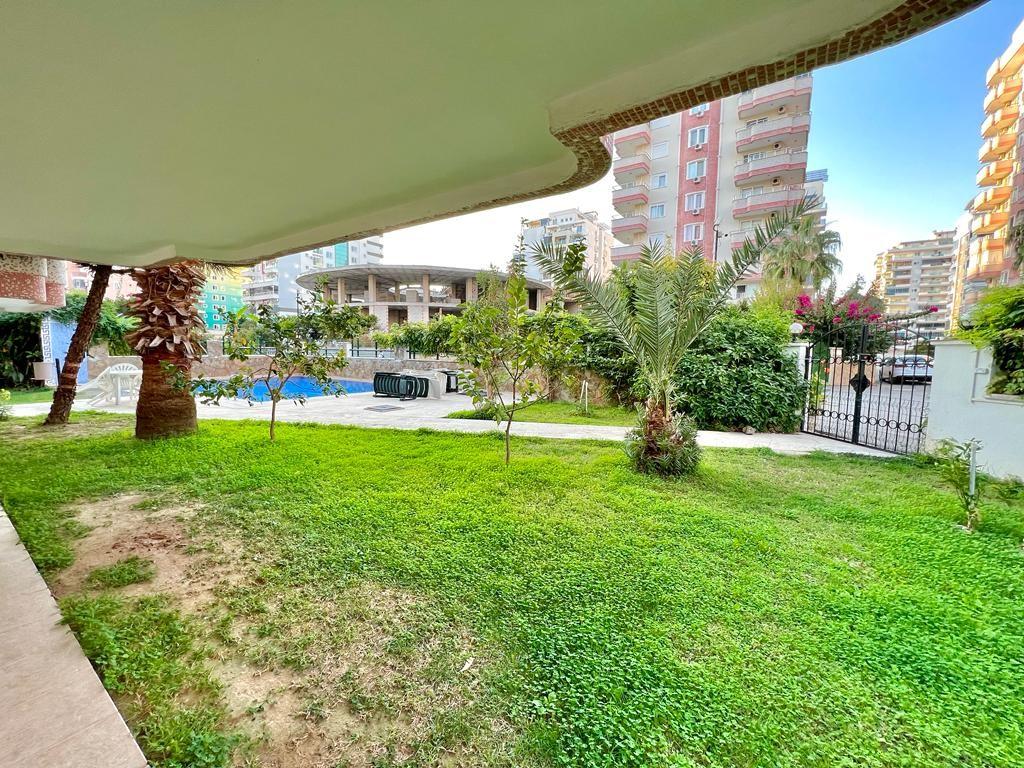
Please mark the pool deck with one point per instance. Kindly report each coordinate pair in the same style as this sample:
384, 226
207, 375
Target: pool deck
356, 410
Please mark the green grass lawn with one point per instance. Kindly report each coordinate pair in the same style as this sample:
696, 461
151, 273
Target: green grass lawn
567, 413
33, 395
771, 611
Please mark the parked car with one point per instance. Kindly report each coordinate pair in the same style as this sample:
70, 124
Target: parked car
906, 368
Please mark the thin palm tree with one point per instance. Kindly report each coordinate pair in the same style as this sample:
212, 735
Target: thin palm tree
167, 338
671, 300
804, 254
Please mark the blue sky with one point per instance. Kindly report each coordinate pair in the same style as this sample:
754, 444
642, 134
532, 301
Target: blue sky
898, 130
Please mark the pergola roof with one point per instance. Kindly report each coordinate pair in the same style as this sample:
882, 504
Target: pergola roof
356, 275
145, 132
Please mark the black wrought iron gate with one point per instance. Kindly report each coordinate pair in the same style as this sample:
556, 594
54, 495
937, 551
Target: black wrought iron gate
868, 384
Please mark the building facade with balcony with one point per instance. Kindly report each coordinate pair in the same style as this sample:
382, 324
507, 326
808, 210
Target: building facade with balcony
915, 275
398, 293
709, 175
988, 258
275, 282
565, 227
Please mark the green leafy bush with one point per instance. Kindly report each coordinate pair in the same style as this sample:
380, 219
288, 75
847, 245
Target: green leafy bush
997, 321
5, 404
739, 373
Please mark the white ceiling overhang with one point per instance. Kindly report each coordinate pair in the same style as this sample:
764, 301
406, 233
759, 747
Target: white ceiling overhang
150, 131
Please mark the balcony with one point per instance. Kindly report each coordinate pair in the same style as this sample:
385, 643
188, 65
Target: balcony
1002, 94
789, 166
996, 147
632, 140
626, 199
783, 132
987, 223
993, 173
793, 94
625, 252
999, 120
990, 199
759, 204
631, 168
1003, 66
630, 225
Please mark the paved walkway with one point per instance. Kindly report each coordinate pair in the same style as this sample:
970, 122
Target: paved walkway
54, 711
365, 410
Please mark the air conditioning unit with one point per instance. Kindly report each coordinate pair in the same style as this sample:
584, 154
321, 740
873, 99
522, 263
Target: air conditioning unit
697, 211
776, 181
777, 145
695, 242
698, 146
782, 110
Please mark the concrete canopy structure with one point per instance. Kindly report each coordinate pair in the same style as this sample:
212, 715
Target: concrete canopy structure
399, 293
146, 132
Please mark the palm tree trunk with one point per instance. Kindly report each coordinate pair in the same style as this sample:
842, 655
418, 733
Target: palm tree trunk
164, 410
67, 384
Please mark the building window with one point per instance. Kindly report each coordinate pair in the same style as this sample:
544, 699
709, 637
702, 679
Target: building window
658, 238
694, 201
740, 290
659, 180
658, 211
700, 109
697, 136
661, 122
696, 169
660, 149
693, 232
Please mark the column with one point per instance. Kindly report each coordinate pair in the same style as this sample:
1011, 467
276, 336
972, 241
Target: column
470, 289
371, 289
426, 288
342, 291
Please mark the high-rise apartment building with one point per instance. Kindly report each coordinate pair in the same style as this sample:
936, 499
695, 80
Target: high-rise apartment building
274, 283
916, 275
222, 296
710, 175
999, 204
569, 226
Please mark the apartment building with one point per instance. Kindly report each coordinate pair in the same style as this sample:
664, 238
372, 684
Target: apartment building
999, 204
570, 226
710, 175
918, 274
221, 297
274, 282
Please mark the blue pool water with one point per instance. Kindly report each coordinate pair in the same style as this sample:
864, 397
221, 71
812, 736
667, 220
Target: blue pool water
303, 385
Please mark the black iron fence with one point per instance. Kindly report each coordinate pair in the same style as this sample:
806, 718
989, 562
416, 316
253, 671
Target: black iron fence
869, 384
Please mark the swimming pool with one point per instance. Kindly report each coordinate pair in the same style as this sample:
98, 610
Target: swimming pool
304, 385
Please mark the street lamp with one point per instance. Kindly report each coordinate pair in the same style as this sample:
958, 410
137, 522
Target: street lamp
796, 328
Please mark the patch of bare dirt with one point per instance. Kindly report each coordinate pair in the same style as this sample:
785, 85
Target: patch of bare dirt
125, 525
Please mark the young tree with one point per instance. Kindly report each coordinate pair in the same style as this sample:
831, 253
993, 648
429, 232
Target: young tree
670, 300
67, 383
284, 347
502, 349
168, 341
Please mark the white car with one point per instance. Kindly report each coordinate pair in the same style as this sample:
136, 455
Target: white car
906, 368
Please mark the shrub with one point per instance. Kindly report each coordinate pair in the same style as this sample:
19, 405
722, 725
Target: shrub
998, 322
5, 404
739, 373
661, 446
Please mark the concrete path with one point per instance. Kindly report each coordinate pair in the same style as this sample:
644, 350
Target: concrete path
54, 711
358, 410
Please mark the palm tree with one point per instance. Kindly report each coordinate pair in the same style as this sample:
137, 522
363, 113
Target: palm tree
167, 339
804, 254
670, 301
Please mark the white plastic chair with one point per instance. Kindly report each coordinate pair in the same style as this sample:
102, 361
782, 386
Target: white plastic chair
111, 383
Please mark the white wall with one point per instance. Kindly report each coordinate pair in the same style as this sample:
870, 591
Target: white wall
960, 409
